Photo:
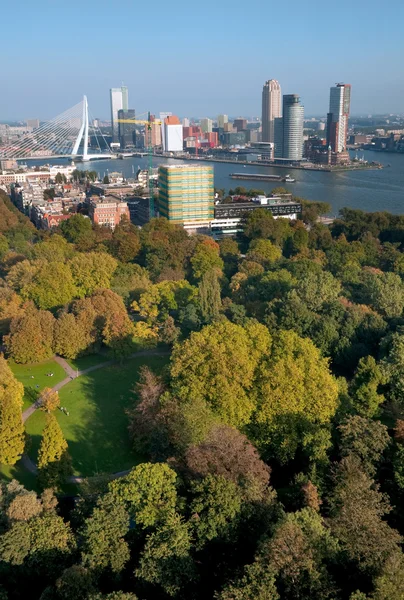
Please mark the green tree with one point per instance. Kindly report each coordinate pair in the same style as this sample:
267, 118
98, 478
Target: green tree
49, 400
130, 281
148, 492
166, 559
12, 436
125, 243
218, 365
52, 286
53, 459
385, 293
257, 582
205, 258
92, 271
297, 398
264, 252
364, 439
75, 582
215, 508
366, 398
258, 224
105, 180
31, 336
209, 296
76, 228
357, 512
317, 289
103, 536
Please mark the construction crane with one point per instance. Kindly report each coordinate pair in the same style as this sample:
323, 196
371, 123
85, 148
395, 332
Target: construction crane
149, 126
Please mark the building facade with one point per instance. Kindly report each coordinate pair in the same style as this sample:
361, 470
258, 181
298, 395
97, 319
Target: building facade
126, 131
221, 120
108, 212
338, 116
173, 140
271, 108
186, 193
207, 125
289, 129
119, 101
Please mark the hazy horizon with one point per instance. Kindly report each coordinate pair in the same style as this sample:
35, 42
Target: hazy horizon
203, 61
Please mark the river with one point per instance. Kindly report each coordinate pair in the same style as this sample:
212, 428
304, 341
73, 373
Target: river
372, 190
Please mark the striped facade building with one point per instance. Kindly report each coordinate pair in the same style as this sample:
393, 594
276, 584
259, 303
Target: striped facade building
186, 193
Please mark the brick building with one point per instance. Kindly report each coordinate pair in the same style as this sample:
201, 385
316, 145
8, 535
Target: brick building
108, 212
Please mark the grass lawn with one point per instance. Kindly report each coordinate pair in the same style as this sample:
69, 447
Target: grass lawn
96, 428
88, 361
34, 378
17, 471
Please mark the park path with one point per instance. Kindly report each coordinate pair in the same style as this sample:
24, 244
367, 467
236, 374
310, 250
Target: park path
71, 373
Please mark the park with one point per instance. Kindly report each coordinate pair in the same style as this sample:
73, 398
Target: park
94, 394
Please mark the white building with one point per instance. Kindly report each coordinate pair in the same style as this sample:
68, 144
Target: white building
173, 138
271, 108
221, 120
337, 118
119, 101
207, 125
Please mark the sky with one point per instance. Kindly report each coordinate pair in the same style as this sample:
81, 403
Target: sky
198, 58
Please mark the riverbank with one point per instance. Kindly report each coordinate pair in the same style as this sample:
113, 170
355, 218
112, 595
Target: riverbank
267, 163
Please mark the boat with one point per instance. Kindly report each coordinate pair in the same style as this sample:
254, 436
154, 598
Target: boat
289, 179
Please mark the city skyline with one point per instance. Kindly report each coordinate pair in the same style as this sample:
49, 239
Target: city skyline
195, 73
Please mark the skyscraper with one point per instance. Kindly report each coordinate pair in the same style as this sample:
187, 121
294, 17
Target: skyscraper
119, 101
206, 125
221, 120
338, 116
288, 130
186, 192
127, 131
271, 109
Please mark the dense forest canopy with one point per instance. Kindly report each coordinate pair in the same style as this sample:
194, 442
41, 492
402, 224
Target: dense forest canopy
273, 442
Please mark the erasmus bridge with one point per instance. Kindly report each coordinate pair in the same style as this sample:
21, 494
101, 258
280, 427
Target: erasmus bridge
64, 136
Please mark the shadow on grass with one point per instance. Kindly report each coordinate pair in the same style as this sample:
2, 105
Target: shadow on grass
97, 426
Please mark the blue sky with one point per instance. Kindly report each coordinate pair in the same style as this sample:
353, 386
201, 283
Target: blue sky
198, 58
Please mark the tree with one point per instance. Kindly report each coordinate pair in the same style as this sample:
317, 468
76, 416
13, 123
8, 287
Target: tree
257, 582
148, 493
49, 400
103, 536
166, 559
297, 398
385, 293
209, 296
215, 508
205, 258
31, 336
92, 271
53, 459
258, 224
364, 387
70, 338
357, 511
298, 552
393, 368
125, 243
106, 180
75, 582
364, 439
130, 281
12, 437
52, 286
228, 453
10, 307
317, 289
218, 365
76, 228
264, 252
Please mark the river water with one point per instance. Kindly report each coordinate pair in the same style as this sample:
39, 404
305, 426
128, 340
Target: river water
372, 190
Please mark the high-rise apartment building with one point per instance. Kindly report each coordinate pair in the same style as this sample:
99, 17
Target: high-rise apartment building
207, 125
186, 193
221, 120
240, 124
119, 101
271, 108
288, 130
126, 131
338, 116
